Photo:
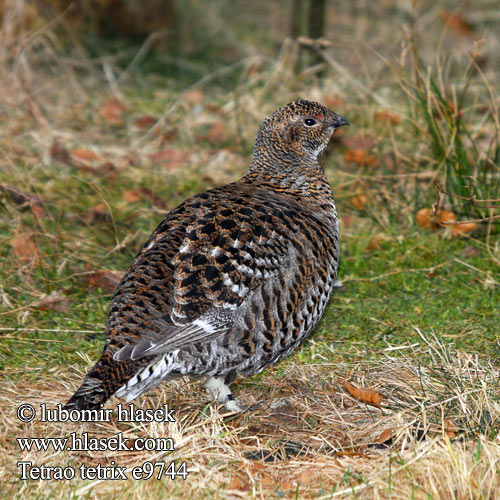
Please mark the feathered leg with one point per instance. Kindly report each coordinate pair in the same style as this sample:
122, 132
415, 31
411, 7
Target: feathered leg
220, 391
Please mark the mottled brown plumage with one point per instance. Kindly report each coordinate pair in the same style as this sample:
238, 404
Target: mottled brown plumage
233, 279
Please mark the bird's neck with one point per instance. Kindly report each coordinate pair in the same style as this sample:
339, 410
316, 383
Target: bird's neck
291, 173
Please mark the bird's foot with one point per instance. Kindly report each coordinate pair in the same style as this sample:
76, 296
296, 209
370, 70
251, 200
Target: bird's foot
221, 393
233, 405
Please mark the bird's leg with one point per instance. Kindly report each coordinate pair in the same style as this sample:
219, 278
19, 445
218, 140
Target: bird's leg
220, 391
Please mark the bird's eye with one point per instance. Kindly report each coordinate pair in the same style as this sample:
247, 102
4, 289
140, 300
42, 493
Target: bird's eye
310, 122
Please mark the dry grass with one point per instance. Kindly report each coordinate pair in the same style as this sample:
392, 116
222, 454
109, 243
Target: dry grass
434, 435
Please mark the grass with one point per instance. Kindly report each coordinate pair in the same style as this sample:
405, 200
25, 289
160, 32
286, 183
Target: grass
415, 320
308, 434
454, 147
419, 287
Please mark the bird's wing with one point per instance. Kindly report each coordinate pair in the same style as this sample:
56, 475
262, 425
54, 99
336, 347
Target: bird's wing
224, 255
200, 330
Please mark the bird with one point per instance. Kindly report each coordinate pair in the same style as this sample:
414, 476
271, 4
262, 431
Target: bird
233, 279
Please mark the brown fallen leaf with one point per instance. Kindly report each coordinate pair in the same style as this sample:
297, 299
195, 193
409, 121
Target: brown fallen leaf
84, 154
425, 218
132, 196
108, 169
25, 199
461, 229
135, 195
154, 198
450, 428
216, 134
60, 153
170, 135
368, 396
446, 216
145, 121
238, 484
104, 279
112, 111
37, 210
172, 158
78, 158
213, 108
374, 244
55, 301
255, 467
360, 201
24, 248
388, 117
361, 157
383, 437
457, 23
97, 213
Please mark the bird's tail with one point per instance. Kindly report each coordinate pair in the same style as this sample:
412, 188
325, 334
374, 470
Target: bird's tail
101, 382
89, 396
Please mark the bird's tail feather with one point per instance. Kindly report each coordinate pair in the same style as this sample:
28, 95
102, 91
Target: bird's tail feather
102, 381
89, 396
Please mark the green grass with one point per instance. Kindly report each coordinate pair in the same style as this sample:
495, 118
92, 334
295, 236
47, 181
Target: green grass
455, 149
416, 279
386, 294
454, 300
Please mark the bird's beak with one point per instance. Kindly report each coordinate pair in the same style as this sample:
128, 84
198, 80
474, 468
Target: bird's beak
339, 121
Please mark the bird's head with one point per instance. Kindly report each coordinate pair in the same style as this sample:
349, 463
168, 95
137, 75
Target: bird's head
300, 129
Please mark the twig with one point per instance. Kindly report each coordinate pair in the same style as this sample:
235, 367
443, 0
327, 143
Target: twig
400, 347
142, 52
421, 270
53, 330
17, 339
472, 199
470, 266
112, 81
399, 271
